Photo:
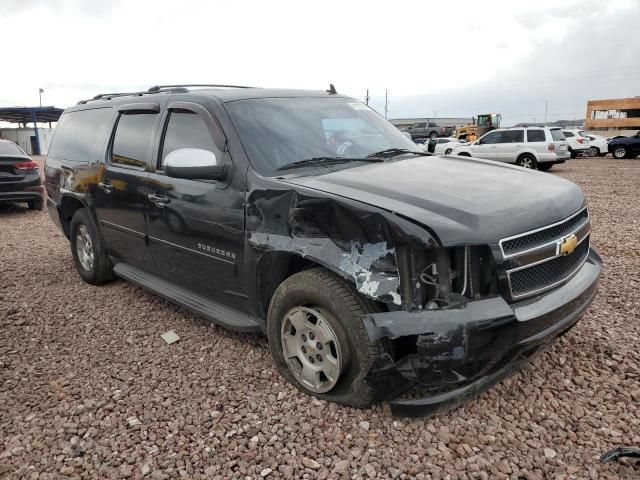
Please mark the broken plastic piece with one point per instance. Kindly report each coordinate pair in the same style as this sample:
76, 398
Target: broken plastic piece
170, 337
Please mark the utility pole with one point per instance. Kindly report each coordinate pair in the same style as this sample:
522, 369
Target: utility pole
386, 103
41, 91
546, 107
367, 98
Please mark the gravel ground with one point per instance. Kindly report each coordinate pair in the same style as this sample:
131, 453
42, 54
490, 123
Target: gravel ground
89, 390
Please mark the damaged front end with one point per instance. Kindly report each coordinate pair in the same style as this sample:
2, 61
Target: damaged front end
450, 329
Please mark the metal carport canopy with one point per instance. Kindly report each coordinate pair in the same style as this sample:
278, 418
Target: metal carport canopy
26, 115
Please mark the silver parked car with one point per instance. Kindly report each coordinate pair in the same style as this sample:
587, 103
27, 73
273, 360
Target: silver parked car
529, 147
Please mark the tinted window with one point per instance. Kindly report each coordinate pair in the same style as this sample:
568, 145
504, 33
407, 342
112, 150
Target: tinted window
511, 136
186, 130
443, 140
132, 139
80, 135
535, 136
493, 137
568, 134
10, 148
557, 134
419, 125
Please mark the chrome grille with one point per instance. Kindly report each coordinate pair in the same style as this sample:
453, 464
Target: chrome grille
534, 261
545, 275
544, 235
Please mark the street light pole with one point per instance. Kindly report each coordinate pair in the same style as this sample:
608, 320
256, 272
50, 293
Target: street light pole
546, 107
40, 91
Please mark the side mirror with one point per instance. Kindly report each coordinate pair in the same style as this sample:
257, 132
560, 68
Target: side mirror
194, 164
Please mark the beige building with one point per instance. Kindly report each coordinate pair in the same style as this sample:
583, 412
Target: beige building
616, 114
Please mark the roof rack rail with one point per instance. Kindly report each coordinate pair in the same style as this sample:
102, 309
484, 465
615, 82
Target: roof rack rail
158, 88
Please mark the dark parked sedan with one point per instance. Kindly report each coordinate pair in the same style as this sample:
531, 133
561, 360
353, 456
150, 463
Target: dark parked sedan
625, 147
19, 177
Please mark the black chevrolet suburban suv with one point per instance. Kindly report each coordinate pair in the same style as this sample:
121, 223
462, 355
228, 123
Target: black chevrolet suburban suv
377, 272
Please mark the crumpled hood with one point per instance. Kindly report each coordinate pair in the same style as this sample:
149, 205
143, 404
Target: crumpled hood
462, 200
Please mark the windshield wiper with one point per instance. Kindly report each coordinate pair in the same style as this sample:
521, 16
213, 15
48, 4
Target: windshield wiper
326, 160
392, 152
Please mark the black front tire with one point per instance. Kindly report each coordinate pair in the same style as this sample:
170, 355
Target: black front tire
37, 204
102, 269
464, 154
342, 306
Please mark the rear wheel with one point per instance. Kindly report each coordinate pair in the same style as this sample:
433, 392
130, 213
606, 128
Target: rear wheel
88, 251
573, 154
594, 151
527, 161
545, 166
619, 152
37, 204
447, 151
433, 135
318, 340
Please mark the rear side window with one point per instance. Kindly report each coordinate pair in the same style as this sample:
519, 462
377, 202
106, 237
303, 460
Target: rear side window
132, 140
10, 148
557, 134
186, 130
80, 135
535, 136
568, 134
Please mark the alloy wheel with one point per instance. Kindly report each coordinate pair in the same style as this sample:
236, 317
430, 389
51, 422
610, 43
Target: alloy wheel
84, 248
311, 349
526, 163
620, 152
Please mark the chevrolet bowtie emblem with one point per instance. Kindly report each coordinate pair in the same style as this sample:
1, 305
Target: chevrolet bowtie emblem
568, 245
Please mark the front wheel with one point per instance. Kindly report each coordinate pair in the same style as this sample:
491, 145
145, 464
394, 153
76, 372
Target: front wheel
527, 161
619, 153
318, 340
89, 254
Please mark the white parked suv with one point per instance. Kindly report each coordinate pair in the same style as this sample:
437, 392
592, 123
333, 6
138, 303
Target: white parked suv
578, 143
529, 147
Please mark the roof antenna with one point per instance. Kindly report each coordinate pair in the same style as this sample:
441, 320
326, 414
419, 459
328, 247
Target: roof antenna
332, 89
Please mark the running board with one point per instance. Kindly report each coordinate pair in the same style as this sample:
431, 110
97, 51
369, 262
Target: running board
203, 307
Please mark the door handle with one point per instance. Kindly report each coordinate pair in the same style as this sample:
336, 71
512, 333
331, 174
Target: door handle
106, 186
159, 200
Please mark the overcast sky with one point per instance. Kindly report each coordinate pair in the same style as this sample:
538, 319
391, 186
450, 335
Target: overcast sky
444, 58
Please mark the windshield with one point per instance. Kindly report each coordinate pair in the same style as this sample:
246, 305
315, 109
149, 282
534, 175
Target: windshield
281, 131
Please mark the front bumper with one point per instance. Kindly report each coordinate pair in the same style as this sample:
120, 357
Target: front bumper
450, 356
